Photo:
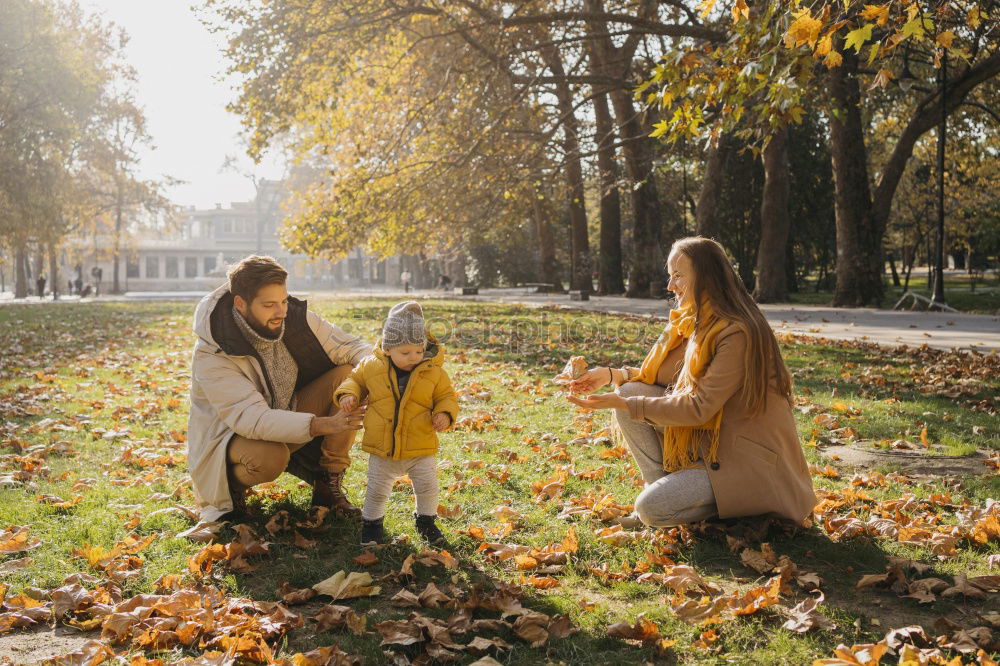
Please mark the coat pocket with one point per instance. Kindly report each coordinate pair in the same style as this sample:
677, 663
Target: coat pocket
759, 451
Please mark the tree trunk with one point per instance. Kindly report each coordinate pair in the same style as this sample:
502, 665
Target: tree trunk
546, 246
610, 280
892, 267
772, 283
791, 269
20, 273
580, 261
647, 253
861, 216
711, 189
115, 286
422, 278
610, 60
859, 240
457, 269
54, 279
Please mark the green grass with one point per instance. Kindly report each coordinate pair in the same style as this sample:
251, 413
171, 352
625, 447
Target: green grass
70, 369
959, 294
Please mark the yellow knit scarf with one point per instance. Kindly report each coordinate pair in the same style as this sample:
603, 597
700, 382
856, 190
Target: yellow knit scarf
680, 445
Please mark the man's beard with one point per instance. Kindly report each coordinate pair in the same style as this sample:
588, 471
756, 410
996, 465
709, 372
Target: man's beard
262, 330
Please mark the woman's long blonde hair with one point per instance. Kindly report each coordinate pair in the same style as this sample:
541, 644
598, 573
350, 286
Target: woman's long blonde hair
716, 282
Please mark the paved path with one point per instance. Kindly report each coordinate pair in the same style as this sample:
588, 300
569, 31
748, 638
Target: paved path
886, 327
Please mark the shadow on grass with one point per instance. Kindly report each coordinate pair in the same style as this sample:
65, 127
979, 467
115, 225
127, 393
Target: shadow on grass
337, 546
841, 564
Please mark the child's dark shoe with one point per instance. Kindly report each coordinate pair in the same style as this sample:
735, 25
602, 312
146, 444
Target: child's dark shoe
429, 531
372, 532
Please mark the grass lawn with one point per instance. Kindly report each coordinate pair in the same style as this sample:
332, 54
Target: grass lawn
93, 412
981, 297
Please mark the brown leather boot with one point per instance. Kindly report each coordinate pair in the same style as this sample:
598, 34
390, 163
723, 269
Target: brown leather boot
327, 492
238, 495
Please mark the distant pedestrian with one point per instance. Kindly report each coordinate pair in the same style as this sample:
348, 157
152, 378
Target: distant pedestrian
78, 283
444, 282
97, 273
40, 285
405, 278
69, 287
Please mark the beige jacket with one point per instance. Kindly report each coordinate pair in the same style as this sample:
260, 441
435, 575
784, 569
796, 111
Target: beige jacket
761, 468
230, 393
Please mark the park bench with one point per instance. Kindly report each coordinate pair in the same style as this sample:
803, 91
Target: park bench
917, 298
541, 288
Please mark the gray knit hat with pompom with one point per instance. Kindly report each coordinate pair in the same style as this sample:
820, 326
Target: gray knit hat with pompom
404, 326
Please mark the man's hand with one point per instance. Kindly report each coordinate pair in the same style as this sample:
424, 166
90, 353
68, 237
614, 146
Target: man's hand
590, 381
348, 403
601, 401
342, 421
441, 422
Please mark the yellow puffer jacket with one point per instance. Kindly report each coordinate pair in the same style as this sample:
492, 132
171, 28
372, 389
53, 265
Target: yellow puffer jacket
397, 426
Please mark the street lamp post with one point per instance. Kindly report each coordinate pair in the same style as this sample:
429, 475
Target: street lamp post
938, 295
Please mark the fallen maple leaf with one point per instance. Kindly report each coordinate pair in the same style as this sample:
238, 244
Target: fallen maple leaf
856, 655
304, 543
644, 630
203, 532
706, 639
343, 585
70, 598
279, 522
615, 536
91, 653
480, 644
962, 587
805, 617
406, 599
366, 559
292, 596
540, 582
432, 597
432, 558
15, 539
333, 617
453, 512
324, 656
474, 532
532, 627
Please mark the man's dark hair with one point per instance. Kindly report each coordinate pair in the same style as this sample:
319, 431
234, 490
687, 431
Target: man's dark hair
247, 277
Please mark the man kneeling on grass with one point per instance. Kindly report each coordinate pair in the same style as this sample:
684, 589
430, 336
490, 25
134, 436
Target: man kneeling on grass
263, 371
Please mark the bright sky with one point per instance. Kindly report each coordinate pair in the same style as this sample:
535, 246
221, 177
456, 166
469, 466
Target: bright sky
179, 64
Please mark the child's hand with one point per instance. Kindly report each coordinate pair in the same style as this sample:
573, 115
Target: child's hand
348, 403
441, 422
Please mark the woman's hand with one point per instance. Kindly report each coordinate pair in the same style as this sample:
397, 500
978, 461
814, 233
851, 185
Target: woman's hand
600, 401
441, 422
590, 381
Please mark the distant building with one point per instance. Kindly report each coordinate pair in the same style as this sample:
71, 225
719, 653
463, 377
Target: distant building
196, 257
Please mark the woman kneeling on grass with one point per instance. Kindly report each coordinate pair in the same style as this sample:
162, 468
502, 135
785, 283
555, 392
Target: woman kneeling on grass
708, 416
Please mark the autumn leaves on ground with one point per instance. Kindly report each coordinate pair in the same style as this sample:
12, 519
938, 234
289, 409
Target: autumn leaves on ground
99, 560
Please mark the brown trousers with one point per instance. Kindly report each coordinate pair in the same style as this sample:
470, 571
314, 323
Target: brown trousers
254, 461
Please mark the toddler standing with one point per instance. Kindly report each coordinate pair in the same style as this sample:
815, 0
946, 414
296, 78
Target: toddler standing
410, 400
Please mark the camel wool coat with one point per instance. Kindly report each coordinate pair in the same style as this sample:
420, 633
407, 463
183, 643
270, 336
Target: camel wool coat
761, 468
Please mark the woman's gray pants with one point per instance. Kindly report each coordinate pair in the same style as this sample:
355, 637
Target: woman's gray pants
668, 499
